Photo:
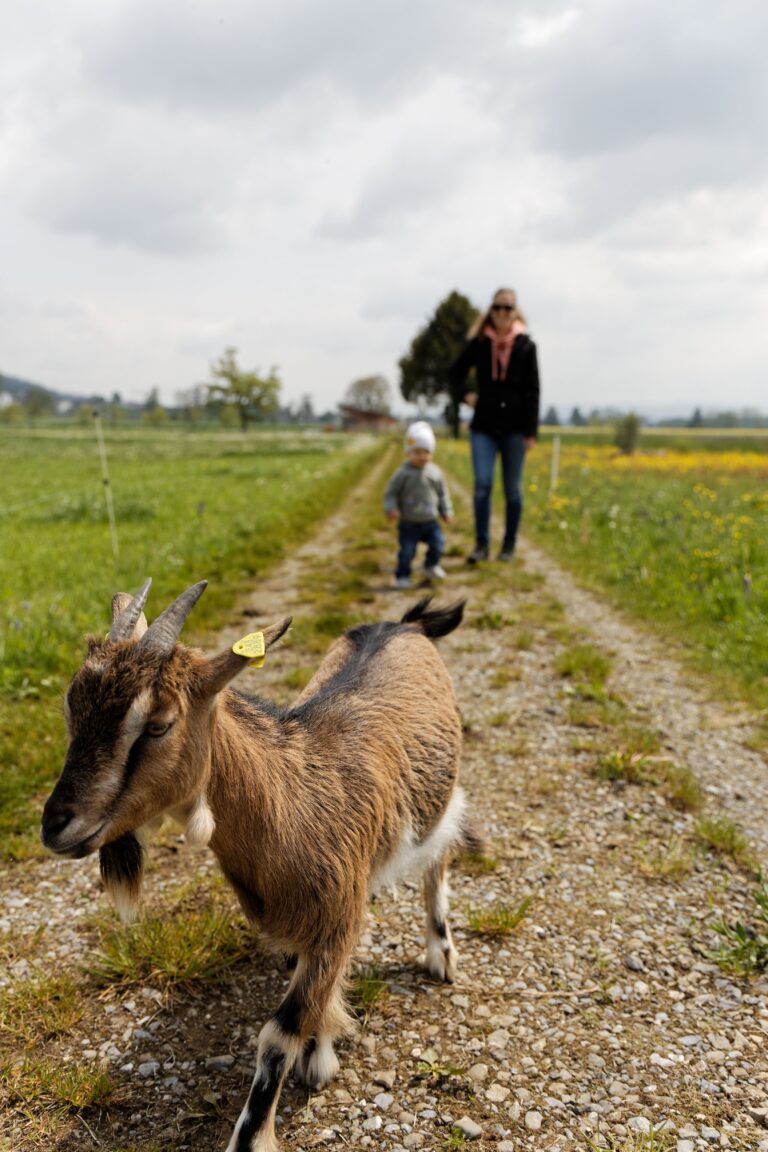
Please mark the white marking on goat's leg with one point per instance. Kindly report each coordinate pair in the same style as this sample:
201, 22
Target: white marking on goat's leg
255, 1128
319, 1063
442, 957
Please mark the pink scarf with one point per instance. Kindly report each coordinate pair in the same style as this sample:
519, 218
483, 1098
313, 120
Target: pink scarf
501, 347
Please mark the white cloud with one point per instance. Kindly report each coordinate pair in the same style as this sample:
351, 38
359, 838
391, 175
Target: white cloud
307, 181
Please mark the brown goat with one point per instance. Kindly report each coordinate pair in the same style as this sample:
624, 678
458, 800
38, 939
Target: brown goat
307, 809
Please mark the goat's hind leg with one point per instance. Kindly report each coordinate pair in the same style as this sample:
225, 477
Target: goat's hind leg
442, 957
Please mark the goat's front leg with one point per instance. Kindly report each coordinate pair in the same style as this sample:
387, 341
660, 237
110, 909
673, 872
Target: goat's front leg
442, 957
311, 1008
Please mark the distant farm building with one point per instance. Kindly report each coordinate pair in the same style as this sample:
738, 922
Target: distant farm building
365, 420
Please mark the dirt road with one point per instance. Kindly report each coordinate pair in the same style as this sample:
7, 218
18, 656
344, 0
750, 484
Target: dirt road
598, 1019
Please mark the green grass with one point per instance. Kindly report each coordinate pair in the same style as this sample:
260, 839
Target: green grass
174, 950
676, 534
189, 505
37, 1007
43, 1081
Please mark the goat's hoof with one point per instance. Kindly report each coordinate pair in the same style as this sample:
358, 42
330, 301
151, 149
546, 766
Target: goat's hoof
319, 1064
442, 965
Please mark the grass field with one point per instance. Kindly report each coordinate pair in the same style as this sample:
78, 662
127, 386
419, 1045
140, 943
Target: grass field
189, 506
676, 534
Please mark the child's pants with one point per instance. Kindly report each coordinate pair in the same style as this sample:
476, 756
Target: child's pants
412, 534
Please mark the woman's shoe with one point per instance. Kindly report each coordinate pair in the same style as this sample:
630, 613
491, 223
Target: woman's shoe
476, 555
506, 554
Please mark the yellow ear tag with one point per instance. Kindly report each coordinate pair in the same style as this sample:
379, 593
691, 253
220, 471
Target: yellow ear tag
251, 646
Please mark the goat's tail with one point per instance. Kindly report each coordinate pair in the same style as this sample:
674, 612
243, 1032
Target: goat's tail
438, 621
472, 839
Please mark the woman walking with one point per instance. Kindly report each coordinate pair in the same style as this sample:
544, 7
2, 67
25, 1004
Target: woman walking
505, 397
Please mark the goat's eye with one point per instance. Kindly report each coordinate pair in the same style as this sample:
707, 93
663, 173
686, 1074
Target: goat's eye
157, 728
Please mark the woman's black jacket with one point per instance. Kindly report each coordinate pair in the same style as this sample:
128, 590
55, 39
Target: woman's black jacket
503, 406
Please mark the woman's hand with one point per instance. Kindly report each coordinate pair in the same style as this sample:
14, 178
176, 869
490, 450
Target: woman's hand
529, 442
470, 399
393, 514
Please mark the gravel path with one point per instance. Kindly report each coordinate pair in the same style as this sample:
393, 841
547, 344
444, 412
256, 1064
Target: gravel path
598, 1019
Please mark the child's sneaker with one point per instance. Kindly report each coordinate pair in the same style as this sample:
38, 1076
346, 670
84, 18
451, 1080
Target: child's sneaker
435, 573
403, 582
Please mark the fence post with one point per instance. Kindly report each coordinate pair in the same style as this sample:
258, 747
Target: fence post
107, 488
555, 464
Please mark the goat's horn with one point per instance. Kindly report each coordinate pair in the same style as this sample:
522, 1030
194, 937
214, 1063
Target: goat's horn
125, 623
163, 633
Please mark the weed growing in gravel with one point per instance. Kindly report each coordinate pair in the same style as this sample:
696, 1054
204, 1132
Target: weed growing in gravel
585, 665
173, 951
672, 861
457, 1139
498, 719
504, 676
497, 920
475, 864
725, 838
488, 621
620, 764
39, 1007
429, 1065
595, 712
745, 947
681, 788
366, 988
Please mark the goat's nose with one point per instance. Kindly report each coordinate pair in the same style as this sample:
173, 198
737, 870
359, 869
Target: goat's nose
56, 816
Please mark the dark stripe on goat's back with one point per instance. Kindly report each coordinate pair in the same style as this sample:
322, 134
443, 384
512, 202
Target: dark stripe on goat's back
248, 709
368, 640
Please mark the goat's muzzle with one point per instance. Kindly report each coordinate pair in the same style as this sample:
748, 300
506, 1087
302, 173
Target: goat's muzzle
63, 832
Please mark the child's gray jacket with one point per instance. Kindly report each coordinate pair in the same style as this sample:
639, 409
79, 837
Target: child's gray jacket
418, 494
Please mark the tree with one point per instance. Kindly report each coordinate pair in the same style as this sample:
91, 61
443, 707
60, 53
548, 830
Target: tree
424, 368
697, 420
551, 418
577, 420
627, 433
371, 393
37, 402
305, 412
248, 393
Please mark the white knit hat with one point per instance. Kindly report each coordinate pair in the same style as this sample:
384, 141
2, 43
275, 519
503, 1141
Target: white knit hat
420, 435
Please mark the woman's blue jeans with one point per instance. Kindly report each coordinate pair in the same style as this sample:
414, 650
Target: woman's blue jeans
485, 449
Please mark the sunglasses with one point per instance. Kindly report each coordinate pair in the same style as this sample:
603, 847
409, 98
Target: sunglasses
502, 307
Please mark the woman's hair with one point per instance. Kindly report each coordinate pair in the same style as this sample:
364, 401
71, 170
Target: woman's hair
485, 317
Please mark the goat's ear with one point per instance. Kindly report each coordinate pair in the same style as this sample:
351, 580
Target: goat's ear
121, 601
273, 633
219, 670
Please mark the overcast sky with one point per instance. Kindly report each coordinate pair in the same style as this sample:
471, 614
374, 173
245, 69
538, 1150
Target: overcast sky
306, 180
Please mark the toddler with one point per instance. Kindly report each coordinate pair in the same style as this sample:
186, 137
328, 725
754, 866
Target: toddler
416, 496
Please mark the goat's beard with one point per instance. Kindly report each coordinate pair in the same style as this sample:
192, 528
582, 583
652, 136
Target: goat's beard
122, 869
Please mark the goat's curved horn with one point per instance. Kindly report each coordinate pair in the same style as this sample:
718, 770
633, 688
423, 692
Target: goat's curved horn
125, 622
163, 633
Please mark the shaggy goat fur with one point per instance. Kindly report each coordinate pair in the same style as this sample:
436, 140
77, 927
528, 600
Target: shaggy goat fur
307, 809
